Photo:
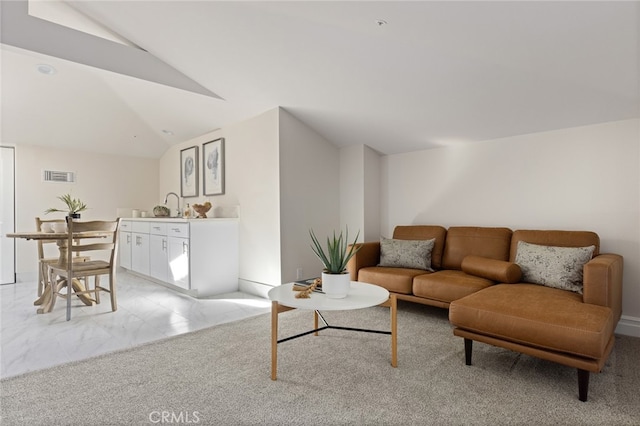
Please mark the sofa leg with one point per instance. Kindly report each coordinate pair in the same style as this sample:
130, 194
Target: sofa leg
468, 348
583, 384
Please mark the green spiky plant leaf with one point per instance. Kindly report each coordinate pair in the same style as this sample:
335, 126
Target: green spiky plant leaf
74, 205
338, 251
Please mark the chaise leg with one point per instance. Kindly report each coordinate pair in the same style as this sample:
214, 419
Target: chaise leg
468, 348
583, 385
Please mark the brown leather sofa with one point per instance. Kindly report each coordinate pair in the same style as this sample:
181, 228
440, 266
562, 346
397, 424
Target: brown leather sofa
475, 276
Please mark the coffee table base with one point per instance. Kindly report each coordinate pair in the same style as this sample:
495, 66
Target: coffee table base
277, 308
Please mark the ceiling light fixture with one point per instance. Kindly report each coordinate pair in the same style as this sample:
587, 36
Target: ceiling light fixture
46, 69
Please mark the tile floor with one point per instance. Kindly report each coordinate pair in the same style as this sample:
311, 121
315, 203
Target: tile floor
146, 312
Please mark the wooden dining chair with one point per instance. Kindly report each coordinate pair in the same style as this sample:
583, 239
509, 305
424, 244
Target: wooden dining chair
98, 239
43, 260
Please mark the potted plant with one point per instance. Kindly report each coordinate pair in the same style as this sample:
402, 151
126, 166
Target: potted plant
74, 206
335, 279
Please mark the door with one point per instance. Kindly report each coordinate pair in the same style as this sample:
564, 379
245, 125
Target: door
7, 215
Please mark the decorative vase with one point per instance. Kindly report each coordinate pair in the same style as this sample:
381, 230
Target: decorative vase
336, 286
161, 211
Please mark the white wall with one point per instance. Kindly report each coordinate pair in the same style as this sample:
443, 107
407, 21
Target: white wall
360, 191
309, 195
371, 185
285, 179
7, 214
251, 182
352, 197
104, 182
579, 178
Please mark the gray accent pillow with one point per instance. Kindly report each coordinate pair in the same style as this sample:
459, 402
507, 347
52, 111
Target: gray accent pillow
414, 254
557, 267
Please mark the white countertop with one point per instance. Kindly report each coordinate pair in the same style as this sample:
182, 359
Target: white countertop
175, 219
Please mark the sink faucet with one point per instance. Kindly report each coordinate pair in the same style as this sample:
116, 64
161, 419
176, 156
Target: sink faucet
166, 198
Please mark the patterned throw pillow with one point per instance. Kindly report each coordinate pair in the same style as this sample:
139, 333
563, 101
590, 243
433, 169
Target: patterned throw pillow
414, 254
557, 267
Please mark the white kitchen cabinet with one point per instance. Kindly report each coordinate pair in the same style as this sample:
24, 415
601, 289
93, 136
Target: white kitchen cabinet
158, 251
158, 256
179, 262
125, 244
140, 247
196, 256
178, 234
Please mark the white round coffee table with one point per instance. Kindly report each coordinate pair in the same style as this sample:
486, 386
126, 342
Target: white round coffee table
361, 295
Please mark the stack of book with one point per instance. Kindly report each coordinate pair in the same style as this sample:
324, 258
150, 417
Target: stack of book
302, 285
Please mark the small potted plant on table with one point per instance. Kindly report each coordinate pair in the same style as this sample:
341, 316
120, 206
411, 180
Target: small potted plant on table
74, 206
336, 281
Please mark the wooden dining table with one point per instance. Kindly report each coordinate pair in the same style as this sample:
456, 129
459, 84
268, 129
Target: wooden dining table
62, 241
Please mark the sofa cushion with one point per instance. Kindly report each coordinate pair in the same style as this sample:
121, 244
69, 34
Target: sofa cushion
557, 267
496, 270
396, 280
463, 241
447, 286
424, 232
554, 238
412, 254
538, 316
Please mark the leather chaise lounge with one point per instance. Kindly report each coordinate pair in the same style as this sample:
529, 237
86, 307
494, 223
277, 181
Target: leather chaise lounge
499, 288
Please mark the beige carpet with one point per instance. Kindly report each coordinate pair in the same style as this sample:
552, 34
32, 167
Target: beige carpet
221, 376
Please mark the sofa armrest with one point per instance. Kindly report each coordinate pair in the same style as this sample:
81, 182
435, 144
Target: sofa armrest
602, 282
368, 255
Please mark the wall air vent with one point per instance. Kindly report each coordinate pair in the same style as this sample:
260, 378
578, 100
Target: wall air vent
55, 176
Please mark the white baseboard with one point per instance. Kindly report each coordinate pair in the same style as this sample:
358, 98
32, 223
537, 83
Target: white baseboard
255, 288
628, 326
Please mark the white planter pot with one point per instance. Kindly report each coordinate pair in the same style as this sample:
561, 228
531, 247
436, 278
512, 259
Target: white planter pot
336, 286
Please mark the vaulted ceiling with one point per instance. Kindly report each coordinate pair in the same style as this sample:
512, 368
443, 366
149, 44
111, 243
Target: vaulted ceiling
397, 76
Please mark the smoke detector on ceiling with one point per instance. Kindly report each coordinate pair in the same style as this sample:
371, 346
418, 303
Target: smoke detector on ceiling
46, 69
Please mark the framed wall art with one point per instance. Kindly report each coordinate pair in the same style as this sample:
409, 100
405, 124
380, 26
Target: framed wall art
213, 167
189, 172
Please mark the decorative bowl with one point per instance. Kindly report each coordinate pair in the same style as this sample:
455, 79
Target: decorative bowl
161, 211
202, 209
